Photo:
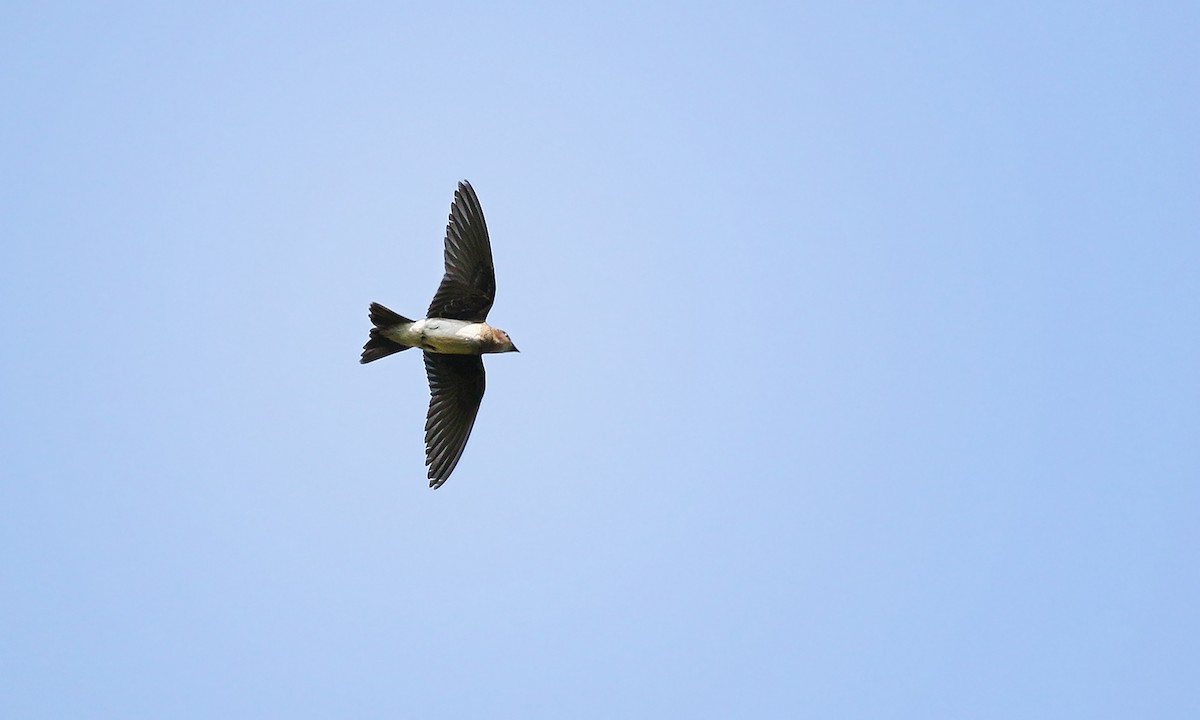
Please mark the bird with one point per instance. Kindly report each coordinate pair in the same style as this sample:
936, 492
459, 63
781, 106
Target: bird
454, 335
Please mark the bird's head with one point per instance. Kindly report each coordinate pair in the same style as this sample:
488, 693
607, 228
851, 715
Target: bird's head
506, 343
497, 341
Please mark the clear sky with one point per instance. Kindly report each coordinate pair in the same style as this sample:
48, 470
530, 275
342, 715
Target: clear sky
859, 372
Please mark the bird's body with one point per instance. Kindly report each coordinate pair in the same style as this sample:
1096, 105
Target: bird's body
448, 336
454, 335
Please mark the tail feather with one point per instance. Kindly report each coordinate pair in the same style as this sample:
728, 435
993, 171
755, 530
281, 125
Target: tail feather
382, 317
380, 346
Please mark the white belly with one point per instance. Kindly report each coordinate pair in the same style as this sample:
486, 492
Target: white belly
457, 337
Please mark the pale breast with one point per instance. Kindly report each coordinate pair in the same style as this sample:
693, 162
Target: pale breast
441, 335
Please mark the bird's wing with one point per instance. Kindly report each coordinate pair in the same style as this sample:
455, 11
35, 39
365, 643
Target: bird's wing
456, 384
469, 285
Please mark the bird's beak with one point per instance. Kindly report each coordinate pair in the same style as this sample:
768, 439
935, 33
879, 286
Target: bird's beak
515, 349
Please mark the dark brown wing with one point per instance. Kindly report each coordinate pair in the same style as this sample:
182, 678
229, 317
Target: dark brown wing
469, 285
456, 384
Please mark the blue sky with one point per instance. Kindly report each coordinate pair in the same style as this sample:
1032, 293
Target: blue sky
858, 373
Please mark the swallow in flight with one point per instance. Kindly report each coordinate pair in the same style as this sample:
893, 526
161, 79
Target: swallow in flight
453, 334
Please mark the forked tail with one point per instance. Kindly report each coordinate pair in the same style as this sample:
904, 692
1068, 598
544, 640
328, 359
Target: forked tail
380, 346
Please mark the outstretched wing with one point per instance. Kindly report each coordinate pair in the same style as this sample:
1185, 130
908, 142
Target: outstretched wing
456, 384
469, 285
